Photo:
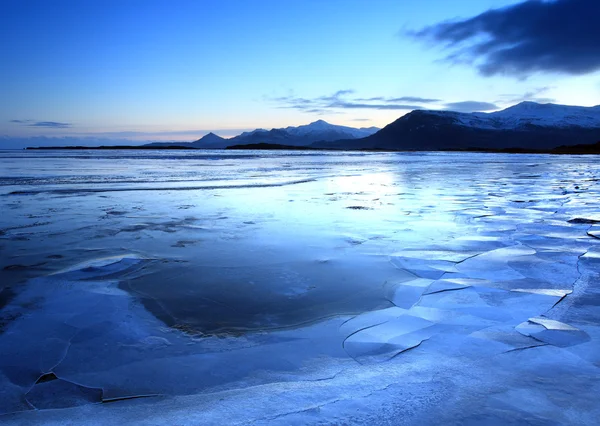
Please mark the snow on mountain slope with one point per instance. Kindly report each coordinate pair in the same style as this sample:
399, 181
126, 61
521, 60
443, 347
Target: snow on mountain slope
250, 133
527, 114
321, 126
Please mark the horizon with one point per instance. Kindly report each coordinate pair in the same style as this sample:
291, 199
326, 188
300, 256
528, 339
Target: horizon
146, 72
92, 141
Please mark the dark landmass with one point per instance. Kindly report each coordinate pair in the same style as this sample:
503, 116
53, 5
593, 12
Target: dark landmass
422, 130
578, 149
593, 148
209, 141
110, 147
564, 149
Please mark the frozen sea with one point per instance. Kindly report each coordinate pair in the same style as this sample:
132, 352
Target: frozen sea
218, 287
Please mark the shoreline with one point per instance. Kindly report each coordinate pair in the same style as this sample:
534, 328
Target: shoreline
580, 149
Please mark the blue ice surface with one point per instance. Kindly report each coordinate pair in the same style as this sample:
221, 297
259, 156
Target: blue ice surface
192, 287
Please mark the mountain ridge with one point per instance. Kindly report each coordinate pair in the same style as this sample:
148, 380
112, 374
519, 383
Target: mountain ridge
527, 125
302, 135
529, 113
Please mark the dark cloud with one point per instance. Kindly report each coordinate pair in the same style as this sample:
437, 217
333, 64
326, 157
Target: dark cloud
51, 124
534, 36
471, 106
48, 124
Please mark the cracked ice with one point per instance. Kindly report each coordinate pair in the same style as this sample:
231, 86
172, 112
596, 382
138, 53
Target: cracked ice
191, 288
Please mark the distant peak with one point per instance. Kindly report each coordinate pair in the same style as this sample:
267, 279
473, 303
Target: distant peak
531, 105
320, 124
210, 136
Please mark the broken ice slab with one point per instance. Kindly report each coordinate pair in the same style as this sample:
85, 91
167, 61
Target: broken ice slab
544, 291
553, 274
432, 264
550, 324
494, 265
383, 341
450, 317
406, 294
507, 336
442, 285
490, 303
370, 319
553, 332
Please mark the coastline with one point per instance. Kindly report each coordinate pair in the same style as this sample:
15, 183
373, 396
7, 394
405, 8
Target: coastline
579, 149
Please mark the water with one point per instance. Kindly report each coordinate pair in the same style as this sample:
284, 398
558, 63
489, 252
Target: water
221, 271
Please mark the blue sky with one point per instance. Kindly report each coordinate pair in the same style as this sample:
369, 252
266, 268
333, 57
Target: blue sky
174, 70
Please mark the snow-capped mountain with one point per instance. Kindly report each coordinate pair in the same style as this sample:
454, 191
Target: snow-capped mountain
529, 114
292, 136
321, 126
302, 135
528, 126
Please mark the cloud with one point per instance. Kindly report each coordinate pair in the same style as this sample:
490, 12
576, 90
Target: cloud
386, 106
560, 36
47, 124
336, 95
533, 95
340, 101
160, 133
471, 106
374, 99
51, 124
413, 99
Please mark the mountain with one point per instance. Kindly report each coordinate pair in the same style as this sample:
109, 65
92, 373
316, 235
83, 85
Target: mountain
290, 136
302, 135
528, 125
210, 141
320, 127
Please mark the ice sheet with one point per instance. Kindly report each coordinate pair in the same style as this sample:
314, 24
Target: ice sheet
197, 287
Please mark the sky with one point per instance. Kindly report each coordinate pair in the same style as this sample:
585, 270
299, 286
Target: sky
146, 70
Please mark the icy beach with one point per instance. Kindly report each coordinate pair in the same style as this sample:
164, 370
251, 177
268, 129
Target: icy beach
214, 287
